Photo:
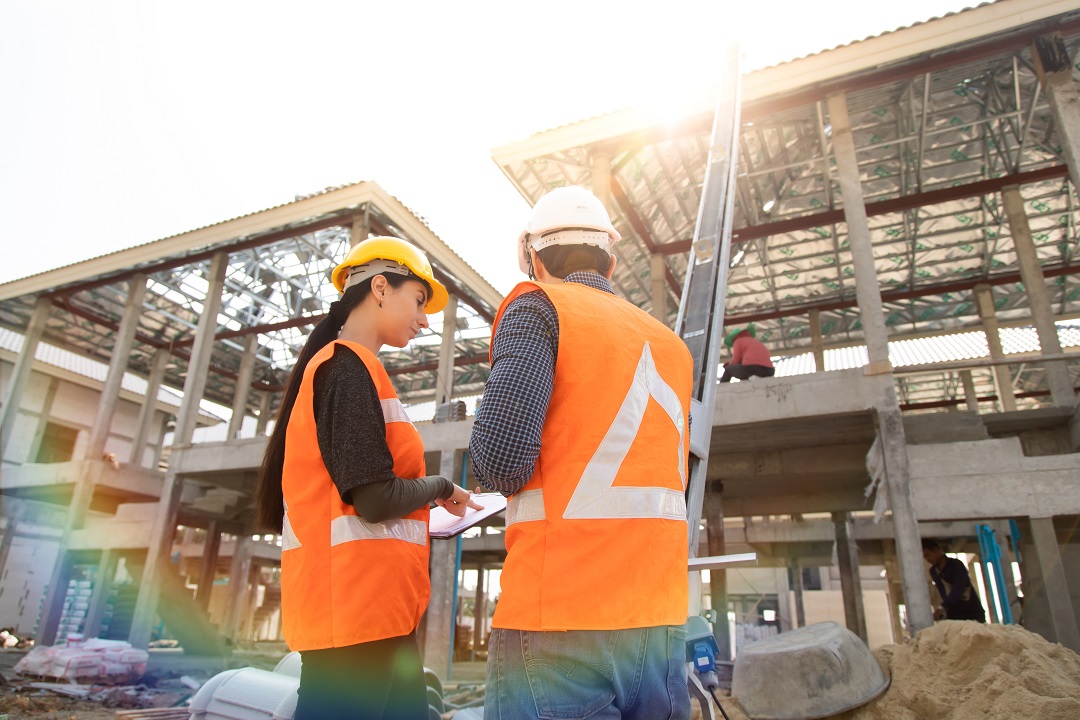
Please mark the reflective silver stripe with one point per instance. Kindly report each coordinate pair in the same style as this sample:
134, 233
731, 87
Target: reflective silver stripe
595, 497
289, 541
525, 506
394, 411
347, 528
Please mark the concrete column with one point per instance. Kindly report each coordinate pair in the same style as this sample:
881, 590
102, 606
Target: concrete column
894, 591
658, 283
847, 555
20, 374
43, 420
87, 474
1054, 66
1057, 373
1055, 583
440, 617
783, 596
149, 406
444, 384
817, 342
479, 607
905, 523
361, 227
797, 586
160, 540
970, 396
121, 354
265, 403
208, 566
984, 302
102, 585
195, 381
243, 386
239, 576
600, 165
862, 253
714, 526
11, 531
891, 425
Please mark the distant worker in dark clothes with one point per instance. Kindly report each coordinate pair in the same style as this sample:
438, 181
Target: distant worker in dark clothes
344, 481
959, 601
749, 357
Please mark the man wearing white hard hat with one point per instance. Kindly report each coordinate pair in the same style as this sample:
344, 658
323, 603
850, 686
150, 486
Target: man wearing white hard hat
583, 425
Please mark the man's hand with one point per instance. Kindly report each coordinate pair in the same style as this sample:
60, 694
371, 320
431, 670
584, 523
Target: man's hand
457, 503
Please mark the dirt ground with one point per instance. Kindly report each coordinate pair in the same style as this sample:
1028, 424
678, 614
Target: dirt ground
952, 671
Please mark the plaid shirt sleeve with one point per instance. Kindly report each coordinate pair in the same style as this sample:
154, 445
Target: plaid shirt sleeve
505, 441
507, 431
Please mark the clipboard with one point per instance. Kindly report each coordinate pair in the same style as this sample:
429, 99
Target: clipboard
442, 524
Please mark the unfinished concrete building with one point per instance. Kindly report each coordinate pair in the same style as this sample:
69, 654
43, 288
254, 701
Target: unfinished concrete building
136, 548
905, 241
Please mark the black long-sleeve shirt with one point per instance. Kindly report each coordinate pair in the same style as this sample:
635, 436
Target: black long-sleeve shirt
351, 432
958, 597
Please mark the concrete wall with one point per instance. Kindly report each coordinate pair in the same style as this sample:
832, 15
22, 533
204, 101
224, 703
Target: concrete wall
75, 405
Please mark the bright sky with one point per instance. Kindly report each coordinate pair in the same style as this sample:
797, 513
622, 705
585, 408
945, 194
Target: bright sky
124, 122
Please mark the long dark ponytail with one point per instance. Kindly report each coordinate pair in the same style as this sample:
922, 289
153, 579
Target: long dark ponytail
269, 502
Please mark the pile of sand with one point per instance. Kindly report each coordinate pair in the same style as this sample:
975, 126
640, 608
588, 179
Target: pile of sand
970, 671
966, 670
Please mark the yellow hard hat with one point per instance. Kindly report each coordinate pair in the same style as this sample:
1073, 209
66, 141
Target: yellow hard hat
407, 257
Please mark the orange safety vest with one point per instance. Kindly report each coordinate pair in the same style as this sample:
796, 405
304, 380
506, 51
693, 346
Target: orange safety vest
344, 580
597, 539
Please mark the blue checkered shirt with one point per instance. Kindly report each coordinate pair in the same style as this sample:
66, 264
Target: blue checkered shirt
506, 434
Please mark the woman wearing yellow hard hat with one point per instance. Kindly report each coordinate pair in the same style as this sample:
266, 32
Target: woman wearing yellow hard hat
344, 481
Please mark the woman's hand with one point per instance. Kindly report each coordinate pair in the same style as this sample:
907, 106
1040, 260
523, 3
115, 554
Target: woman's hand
457, 503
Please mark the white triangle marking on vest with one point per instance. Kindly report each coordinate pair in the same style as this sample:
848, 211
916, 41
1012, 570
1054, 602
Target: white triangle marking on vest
595, 496
289, 541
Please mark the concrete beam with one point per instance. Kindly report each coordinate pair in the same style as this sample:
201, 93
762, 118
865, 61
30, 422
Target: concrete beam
657, 279
800, 396
1053, 64
992, 479
20, 375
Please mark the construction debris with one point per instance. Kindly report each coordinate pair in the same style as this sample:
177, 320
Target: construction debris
957, 670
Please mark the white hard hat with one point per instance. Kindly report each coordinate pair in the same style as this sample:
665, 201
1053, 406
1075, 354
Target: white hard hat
568, 215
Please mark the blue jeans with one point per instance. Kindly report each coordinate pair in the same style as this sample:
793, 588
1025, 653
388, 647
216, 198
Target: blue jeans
635, 674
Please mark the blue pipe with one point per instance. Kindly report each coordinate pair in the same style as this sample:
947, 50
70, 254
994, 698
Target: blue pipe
991, 556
